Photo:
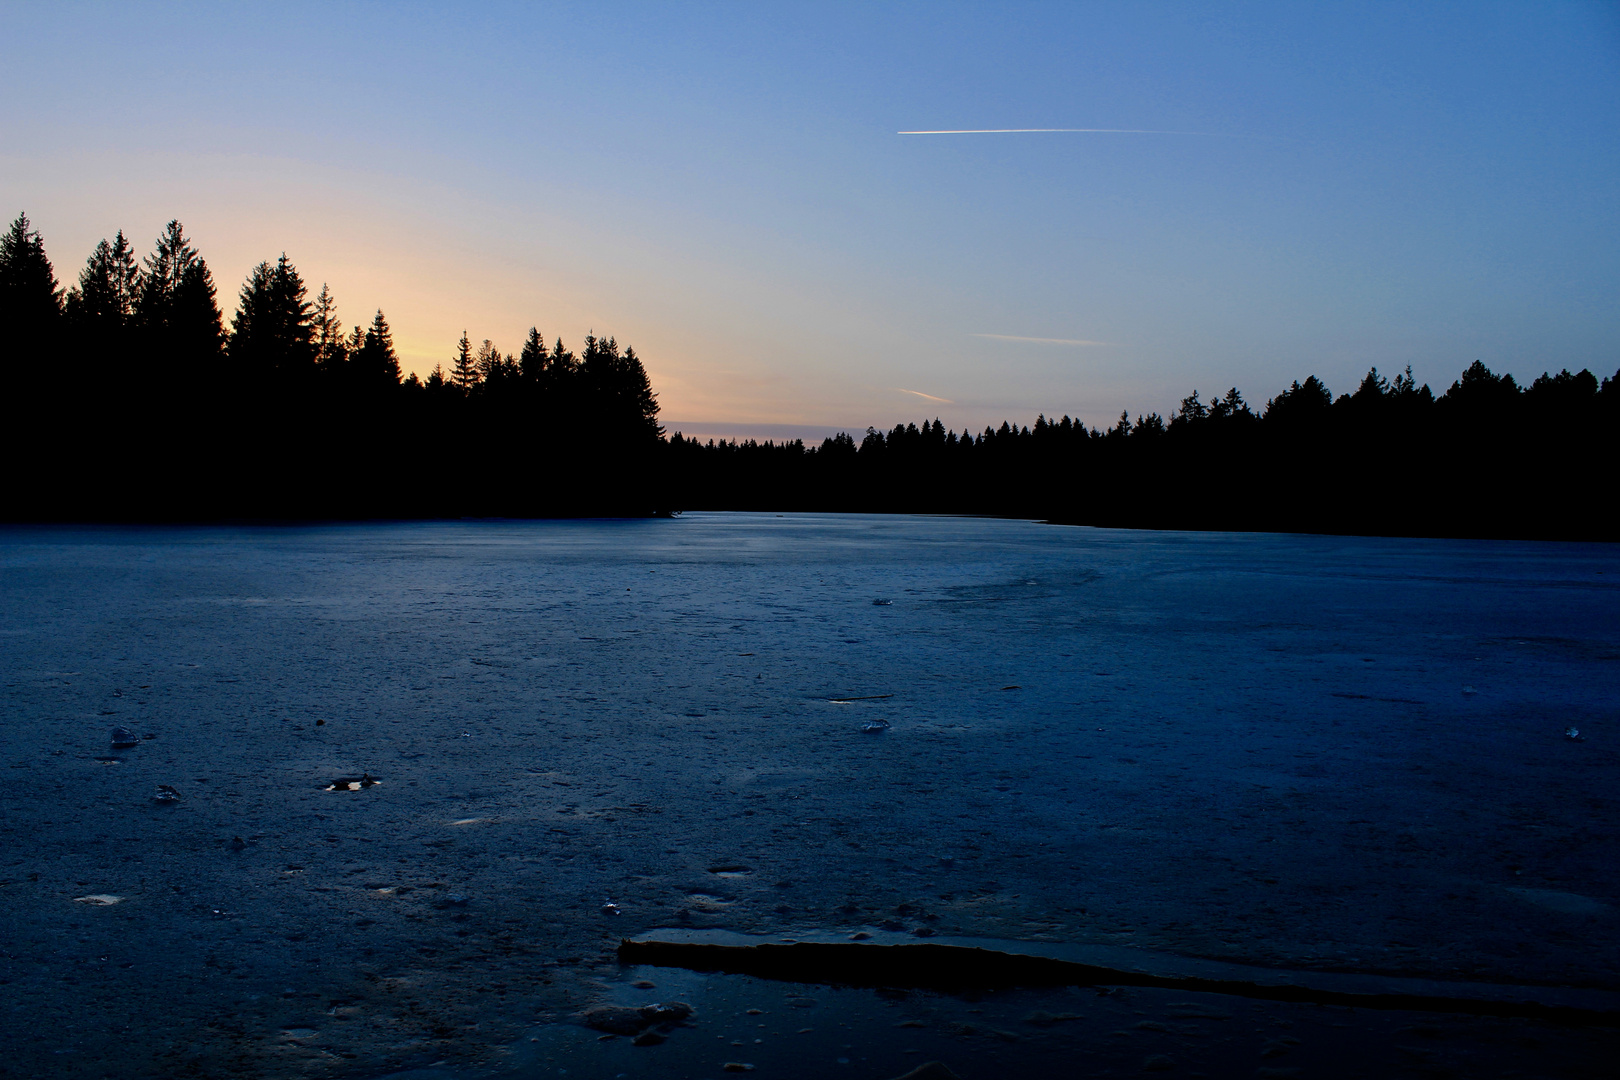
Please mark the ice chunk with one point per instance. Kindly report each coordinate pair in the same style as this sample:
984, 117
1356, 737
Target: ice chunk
350, 783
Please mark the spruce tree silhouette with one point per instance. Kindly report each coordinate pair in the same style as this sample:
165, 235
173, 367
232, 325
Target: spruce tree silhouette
177, 319
376, 365
534, 362
30, 313
273, 339
463, 368
102, 304
99, 313
331, 351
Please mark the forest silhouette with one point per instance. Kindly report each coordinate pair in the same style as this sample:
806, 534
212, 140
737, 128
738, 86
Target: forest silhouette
128, 397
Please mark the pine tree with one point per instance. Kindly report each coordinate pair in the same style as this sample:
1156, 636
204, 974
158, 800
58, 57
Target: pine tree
330, 348
103, 302
253, 323
1233, 405
163, 279
176, 311
533, 361
596, 362
273, 333
487, 360
636, 393
375, 364
28, 286
563, 365
463, 369
30, 306
1192, 411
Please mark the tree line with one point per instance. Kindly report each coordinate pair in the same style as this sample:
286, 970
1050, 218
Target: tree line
1486, 458
129, 397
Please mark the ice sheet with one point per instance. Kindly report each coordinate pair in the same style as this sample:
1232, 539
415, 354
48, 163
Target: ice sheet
1307, 752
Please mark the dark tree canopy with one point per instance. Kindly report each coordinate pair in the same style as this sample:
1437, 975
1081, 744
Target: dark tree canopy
1484, 459
103, 302
177, 308
30, 307
375, 365
29, 293
273, 331
138, 404
126, 400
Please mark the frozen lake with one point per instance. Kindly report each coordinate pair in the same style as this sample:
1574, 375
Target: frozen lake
1319, 753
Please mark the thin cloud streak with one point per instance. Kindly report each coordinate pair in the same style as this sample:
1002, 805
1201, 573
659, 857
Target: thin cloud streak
930, 397
1077, 131
1042, 340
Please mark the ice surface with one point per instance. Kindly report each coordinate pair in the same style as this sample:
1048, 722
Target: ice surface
1253, 748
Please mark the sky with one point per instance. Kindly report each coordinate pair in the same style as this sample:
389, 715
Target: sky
1282, 189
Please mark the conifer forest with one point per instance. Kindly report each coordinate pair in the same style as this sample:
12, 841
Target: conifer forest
130, 396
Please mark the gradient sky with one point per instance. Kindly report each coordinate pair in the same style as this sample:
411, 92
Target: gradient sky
723, 187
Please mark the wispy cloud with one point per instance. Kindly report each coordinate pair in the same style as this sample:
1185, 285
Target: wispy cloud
929, 397
1049, 131
1042, 340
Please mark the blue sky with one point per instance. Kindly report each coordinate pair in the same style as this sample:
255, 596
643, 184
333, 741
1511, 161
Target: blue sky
722, 186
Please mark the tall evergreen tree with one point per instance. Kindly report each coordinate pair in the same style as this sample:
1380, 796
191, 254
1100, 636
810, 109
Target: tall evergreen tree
99, 313
1302, 404
28, 286
636, 393
354, 342
1233, 405
463, 368
176, 313
533, 361
1481, 391
103, 302
273, 331
1192, 411
30, 306
620, 393
330, 349
564, 365
487, 360
376, 365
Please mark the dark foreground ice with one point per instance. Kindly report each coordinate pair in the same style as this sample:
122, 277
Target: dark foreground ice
415, 764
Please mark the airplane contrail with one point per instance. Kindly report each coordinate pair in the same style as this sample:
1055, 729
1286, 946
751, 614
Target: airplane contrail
1042, 340
1032, 131
930, 397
